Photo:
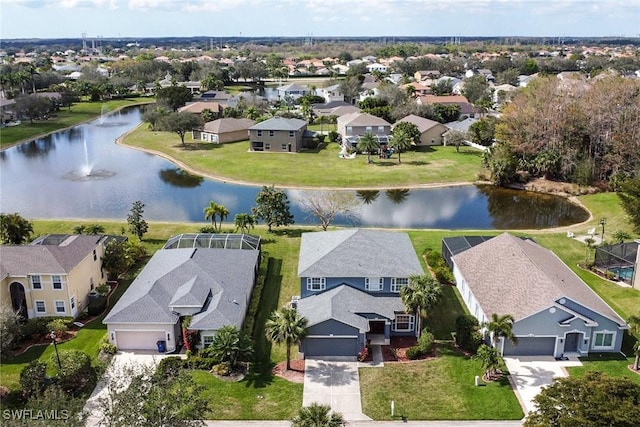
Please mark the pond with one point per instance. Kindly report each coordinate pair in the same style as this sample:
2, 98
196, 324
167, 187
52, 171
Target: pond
47, 178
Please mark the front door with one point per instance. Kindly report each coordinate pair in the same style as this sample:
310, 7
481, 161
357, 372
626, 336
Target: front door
376, 327
18, 299
289, 147
571, 342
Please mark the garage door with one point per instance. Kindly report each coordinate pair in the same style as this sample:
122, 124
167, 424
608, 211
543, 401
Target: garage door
531, 346
139, 340
330, 346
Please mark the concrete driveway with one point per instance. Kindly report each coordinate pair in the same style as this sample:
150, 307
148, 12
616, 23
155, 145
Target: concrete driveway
335, 383
530, 373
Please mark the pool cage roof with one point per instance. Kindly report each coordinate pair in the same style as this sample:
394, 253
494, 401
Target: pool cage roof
619, 255
209, 240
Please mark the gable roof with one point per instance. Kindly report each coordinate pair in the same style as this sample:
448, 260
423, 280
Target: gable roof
362, 119
199, 106
279, 123
293, 87
228, 125
422, 123
216, 281
461, 125
509, 275
357, 253
344, 304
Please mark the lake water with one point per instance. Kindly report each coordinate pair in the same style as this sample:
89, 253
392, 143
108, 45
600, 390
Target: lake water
44, 179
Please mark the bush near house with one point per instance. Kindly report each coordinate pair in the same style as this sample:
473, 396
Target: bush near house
468, 336
438, 266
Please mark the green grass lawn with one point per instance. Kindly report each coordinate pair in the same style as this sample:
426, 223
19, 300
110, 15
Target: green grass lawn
438, 389
614, 365
80, 112
320, 168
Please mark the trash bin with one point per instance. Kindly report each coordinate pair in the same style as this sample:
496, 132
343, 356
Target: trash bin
162, 346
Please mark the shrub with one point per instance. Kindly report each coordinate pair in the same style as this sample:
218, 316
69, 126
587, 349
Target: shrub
223, 369
208, 229
32, 378
362, 355
333, 136
443, 274
4, 392
103, 289
425, 342
169, 367
40, 325
199, 362
414, 352
468, 336
108, 348
75, 375
59, 326
10, 327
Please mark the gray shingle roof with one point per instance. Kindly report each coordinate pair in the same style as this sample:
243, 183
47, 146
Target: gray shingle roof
279, 123
357, 253
219, 281
508, 275
228, 124
362, 119
344, 303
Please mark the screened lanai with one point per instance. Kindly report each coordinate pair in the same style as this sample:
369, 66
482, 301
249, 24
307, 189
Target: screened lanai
211, 240
617, 261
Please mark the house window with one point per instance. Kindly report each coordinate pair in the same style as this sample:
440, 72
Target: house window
267, 146
373, 283
380, 129
95, 255
40, 307
369, 129
60, 308
349, 130
57, 282
603, 340
72, 302
284, 147
207, 340
403, 322
397, 283
36, 282
316, 283
291, 134
259, 134
270, 133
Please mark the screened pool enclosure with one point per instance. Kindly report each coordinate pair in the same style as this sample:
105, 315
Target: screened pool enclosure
617, 261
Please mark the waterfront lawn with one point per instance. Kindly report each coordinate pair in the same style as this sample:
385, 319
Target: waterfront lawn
317, 168
441, 388
80, 112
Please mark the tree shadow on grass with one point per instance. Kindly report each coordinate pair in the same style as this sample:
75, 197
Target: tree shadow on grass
289, 232
197, 146
416, 162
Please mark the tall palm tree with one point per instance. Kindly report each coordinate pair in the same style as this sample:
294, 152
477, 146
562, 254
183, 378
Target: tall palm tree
420, 296
223, 213
317, 415
244, 222
369, 143
400, 140
287, 327
634, 324
211, 211
501, 327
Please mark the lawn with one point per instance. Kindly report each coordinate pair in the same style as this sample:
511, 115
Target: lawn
614, 365
318, 168
441, 388
80, 112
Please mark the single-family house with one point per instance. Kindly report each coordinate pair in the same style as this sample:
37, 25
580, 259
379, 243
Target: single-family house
224, 130
53, 275
458, 126
466, 108
330, 93
209, 277
334, 108
199, 106
416, 89
293, 90
503, 93
376, 67
430, 130
354, 125
555, 312
278, 134
426, 74
350, 282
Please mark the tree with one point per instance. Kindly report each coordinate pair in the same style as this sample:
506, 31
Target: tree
368, 143
285, 326
501, 327
410, 129
490, 358
74, 375
137, 224
14, 229
351, 87
88, 229
420, 296
33, 378
629, 195
594, 399
400, 140
174, 97
272, 206
475, 88
52, 400
501, 163
10, 328
244, 222
213, 211
483, 131
230, 346
621, 235
634, 330
443, 87
116, 259
325, 205
468, 335
179, 123
32, 106
317, 415
456, 138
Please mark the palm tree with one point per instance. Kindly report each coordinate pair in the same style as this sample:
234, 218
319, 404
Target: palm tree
244, 222
223, 213
317, 415
501, 327
368, 143
230, 345
211, 211
634, 330
397, 195
400, 140
420, 296
286, 326
489, 357
368, 196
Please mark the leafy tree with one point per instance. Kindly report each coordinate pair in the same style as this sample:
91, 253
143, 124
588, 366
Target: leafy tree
351, 87
592, 400
475, 88
153, 116
244, 222
629, 195
510, 76
272, 206
410, 129
445, 113
621, 235
501, 163
634, 330
285, 326
32, 106
230, 346
421, 295
443, 87
401, 141
116, 259
317, 415
14, 229
456, 138
468, 336
490, 358
483, 131
32, 378
137, 224
179, 123
501, 327
75, 375
325, 205
368, 143
88, 229
10, 328
52, 400
174, 97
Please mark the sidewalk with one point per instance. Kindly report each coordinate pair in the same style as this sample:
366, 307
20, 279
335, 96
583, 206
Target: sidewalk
397, 423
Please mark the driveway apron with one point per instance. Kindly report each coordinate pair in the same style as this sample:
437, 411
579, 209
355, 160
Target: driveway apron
335, 383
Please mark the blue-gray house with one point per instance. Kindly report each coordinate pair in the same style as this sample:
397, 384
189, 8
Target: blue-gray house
350, 283
555, 312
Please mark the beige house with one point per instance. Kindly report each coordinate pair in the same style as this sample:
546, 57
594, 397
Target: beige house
278, 134
430, 130
352, 126
53, 275
199, 106
224, 130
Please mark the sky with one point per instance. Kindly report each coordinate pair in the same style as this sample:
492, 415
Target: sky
304, 18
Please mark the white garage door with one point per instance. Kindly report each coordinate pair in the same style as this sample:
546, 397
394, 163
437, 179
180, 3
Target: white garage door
139, 340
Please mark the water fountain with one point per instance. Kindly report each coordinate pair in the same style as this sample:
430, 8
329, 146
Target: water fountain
86, 171
103, 111
86, 168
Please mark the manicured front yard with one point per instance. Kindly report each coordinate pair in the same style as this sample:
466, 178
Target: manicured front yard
442, 388
611, 364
